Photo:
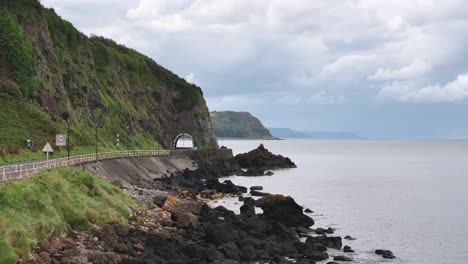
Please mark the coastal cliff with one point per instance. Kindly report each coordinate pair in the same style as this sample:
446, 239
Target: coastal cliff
230, 124
51, 72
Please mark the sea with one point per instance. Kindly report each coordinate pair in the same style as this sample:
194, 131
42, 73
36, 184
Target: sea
410, 197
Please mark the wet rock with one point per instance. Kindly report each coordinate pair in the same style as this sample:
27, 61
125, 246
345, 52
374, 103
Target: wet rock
342, 258
254, 172
329, 242
258, 193
256, 188
284, 210
247, 209
186, 220
307, 210
385, 253
323, 231
348, 237
219, 234
261, 158
226, 187
159, 200
348, 249
230, 250
269, 173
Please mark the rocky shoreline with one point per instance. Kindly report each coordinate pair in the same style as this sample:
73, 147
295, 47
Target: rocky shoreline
177, 226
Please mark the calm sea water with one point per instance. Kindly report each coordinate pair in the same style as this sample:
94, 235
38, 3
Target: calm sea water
407, 196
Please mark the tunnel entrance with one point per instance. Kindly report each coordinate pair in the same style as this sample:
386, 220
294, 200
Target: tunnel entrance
183, 141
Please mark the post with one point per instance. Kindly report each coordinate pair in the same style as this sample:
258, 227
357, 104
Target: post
96, 140
128, 128
3, 172
68, 137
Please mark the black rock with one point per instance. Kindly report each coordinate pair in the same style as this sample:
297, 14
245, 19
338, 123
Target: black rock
254, 172
348, 237
249, 200
329, 242
261, 158
230, 250
257, 193
256, 188
342, 258
385, 253
219, 234
307, 210
348, 249
247, 209
323, 231
284, 210
269, 173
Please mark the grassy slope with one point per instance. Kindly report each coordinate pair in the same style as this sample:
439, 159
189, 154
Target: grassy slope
92, 78
51, 200
229, 124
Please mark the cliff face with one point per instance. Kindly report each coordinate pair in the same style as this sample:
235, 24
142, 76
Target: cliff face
49, 72
229, 124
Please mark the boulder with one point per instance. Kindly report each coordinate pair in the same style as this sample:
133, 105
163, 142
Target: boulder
175, 205
284, 210
258, 193
261, 158
385, 253
256, 188
254, 172
247, 209
219, 234
329, 242
225, 187
307, 210
342, 258
348, 249
186, 220
230, 250
269, 173
348, 237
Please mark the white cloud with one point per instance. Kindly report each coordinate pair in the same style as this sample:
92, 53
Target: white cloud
191, 78
415, 69
407, 92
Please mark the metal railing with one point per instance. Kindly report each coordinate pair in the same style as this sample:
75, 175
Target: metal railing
27, 169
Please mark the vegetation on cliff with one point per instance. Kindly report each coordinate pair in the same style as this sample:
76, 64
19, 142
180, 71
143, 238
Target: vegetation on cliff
50, 72
230, 124
51, 201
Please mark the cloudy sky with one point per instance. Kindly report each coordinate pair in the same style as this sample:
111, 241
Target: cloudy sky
378, 68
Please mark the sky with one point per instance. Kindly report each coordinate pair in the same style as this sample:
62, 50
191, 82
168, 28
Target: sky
377, 68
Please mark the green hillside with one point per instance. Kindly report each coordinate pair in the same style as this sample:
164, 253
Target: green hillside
50, 72
52, 200
229, 124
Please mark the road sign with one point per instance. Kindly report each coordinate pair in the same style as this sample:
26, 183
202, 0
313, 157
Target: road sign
60, 140
47, 149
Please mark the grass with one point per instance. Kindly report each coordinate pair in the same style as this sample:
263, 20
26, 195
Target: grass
33, 208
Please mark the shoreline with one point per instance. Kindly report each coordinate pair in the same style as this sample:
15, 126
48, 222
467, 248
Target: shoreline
178, 226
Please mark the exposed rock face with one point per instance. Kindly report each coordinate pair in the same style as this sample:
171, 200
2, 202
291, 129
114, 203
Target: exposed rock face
284, 210
95, 80
261, 158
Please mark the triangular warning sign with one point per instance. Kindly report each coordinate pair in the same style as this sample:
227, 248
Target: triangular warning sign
47, 148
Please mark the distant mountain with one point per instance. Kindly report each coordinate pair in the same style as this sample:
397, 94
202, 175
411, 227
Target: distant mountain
289, 133
230, 124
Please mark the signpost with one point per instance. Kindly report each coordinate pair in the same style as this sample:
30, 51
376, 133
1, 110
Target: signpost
47, 149
60, 141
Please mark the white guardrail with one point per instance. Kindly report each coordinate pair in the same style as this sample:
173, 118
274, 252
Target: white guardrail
27, 169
